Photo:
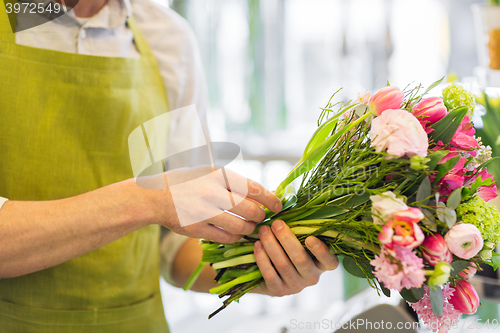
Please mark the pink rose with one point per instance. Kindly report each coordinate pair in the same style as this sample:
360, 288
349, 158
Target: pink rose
402, 230
435, 250
385, 205
400, 133
464, 240
465, 298
430, 110
385, 99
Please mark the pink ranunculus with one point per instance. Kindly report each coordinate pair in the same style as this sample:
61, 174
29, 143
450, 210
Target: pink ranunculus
464, 240
465, 298
400, 133
435, 250
430, 110
385, 99
406, 234
469, 272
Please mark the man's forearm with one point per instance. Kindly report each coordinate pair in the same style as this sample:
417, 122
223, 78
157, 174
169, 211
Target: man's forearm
38, 235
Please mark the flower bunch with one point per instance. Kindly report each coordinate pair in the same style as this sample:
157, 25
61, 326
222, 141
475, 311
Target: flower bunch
396, 184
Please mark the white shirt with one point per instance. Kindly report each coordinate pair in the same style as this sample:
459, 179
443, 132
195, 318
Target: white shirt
173, 44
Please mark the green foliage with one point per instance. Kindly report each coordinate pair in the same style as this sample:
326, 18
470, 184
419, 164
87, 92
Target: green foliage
484, 216
490, 132
447, 127
437, 300
455, 96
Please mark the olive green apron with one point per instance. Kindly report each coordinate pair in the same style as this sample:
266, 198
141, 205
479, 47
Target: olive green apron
64, 125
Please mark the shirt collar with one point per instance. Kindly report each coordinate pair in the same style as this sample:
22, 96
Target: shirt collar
114, 14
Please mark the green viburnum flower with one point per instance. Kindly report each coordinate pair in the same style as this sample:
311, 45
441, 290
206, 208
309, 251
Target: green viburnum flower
455, 96
484, 216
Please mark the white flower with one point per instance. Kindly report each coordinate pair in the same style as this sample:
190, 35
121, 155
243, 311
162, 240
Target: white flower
400, 133
385, 205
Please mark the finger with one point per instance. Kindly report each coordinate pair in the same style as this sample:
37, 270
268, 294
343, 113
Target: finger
278, 257
248, 209
253, 190
233, 224
273, 280
296, 252
326, 260
211, 232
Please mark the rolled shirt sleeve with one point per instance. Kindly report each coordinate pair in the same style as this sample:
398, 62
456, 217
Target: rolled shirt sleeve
170, 244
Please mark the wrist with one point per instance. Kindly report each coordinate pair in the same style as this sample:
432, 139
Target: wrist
149, 206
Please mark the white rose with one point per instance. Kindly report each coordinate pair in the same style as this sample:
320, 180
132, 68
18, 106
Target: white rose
384, 206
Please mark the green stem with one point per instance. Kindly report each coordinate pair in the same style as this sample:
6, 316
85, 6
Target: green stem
255, 275
247, 259
335, 234
192, 279
238, 250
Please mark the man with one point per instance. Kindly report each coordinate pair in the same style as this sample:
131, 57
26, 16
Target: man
79, 239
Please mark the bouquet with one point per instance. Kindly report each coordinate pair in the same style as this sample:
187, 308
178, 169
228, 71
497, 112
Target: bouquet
397, 185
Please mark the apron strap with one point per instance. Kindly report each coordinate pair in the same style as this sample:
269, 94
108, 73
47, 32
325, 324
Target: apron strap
6, 34
140, 42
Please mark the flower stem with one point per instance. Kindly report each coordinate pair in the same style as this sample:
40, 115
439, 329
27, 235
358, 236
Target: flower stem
192, 279
335, 234
255, 275
246, 259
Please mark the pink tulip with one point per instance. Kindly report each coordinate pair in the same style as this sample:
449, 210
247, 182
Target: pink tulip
406, 234
464, 240
435, 250
469, 272
385, 99
465, 298
430, 110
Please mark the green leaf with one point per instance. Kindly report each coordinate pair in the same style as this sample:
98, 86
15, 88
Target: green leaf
387, 292
468, 192
454, 199
495, 260
435, 157
450, 217
289, 202
408, 295
424, 191
433, 85
323, 213
440, 211
437, 301
444, 168
458, 266
314, 155
418, 292
429, 221
447, 127
352, 267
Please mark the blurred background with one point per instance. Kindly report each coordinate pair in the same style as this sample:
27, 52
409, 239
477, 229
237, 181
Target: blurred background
270, 65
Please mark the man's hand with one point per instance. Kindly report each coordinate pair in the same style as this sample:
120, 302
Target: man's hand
203, 195
293, 269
